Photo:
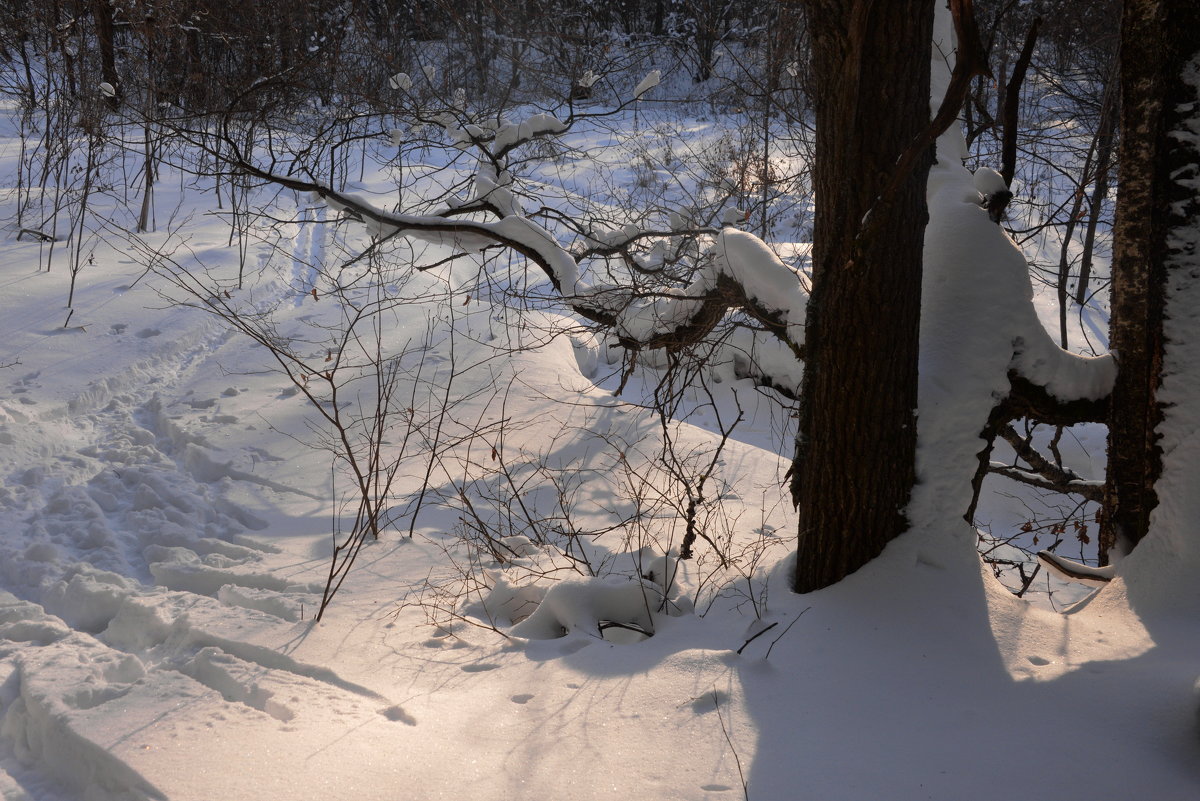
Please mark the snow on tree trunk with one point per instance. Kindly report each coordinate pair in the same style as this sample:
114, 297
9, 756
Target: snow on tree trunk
1156, 308
977, 324
980, 337
1157, 42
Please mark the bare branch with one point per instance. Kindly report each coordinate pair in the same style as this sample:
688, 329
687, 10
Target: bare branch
1045, 474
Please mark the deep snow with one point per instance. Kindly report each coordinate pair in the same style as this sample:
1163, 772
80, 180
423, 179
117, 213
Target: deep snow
164, 537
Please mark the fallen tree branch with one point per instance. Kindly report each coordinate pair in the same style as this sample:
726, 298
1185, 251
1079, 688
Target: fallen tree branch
1034, 402
1045, 474
1027, 399
1070, 570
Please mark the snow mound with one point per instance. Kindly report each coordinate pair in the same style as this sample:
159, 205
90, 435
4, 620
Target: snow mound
579, 605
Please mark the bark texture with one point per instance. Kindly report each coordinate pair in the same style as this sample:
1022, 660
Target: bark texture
1158, 38
854, 464
102, 14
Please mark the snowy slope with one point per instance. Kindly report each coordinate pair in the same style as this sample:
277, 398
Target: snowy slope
164, 538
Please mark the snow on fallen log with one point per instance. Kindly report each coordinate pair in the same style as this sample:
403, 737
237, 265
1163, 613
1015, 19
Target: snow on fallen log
1070, 570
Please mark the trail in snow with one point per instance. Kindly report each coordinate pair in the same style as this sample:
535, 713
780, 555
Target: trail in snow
133, 590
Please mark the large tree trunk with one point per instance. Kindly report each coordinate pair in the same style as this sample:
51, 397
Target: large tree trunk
854, 464
1159, 37
102, 13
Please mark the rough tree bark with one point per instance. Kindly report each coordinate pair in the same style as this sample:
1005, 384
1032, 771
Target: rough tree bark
1158, 38
102, 14
854, 464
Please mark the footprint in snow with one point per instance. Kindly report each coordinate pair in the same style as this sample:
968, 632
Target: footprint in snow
709, 701
479, 668
522, 698
146, 333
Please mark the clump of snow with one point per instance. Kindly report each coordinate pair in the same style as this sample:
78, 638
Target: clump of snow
507, 603
283, 605
664, 571
578, 605
765, 279
647, 83
50, 722
520, 545
89, 598
510, 135
988, 181
1071, 571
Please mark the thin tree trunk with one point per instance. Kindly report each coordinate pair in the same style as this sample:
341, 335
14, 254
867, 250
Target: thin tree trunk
1108, 129
1064, 257
1012, 105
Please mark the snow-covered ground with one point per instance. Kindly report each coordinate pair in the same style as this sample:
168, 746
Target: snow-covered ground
165, 512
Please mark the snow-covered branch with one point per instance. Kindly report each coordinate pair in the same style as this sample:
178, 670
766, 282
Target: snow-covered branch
740, 272
1045, 473
1041, 402
1065, 378
1070, 570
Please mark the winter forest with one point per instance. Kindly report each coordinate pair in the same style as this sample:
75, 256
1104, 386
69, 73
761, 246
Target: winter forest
542, 399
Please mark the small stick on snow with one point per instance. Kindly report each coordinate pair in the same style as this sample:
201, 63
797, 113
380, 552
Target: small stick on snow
756, 636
